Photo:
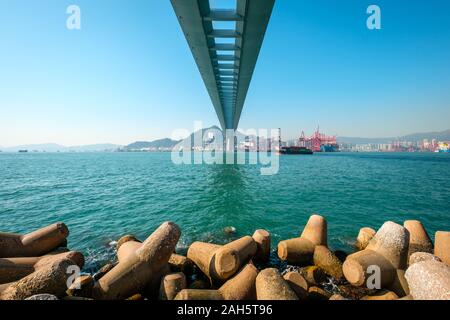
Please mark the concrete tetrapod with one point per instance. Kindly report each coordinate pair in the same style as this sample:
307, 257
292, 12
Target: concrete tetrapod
422, 256
300, 251
364, 237
316, 293
171, 285
13, 269
262, 239
222, 262
127, 246
328, 262
429, 280
51, 279
313, 275
382, 295
245, 248
442, 246
81, 287
196, 294
125, 239
386, 252
34, 244
316, 230
419, 241
139, 269
177, 263
270, 285
242, 285
297, 283
399, 285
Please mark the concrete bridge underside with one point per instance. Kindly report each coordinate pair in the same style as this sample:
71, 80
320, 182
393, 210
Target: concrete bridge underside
225, 56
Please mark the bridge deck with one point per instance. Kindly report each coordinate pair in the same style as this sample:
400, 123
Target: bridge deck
226, 57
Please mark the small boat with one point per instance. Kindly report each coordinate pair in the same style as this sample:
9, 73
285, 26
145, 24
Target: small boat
23, 151
296, 151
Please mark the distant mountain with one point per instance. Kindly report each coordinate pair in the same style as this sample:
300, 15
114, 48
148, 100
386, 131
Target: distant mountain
357, 140
53, 147
218, 143
105, 147
47, 147
157, 144
168, 144
165, 144
440, 136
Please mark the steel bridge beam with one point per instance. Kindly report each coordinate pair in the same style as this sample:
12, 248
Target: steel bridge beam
226, 68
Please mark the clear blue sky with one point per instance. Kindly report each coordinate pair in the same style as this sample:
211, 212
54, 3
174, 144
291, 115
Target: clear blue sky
128, 73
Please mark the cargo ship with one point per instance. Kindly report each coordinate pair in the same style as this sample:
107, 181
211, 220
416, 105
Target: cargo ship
295, 151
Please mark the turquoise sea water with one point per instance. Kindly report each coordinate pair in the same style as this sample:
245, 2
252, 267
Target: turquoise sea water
102, 196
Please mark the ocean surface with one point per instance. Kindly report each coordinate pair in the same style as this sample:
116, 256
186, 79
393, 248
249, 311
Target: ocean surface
103, 196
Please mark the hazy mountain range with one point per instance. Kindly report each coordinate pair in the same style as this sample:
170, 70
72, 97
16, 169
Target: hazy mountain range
169, 143
440, 136
53, 147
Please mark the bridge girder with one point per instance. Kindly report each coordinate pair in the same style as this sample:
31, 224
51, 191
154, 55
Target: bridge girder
226, 68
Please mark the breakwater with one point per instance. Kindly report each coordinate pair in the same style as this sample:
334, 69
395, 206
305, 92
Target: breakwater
392, 263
